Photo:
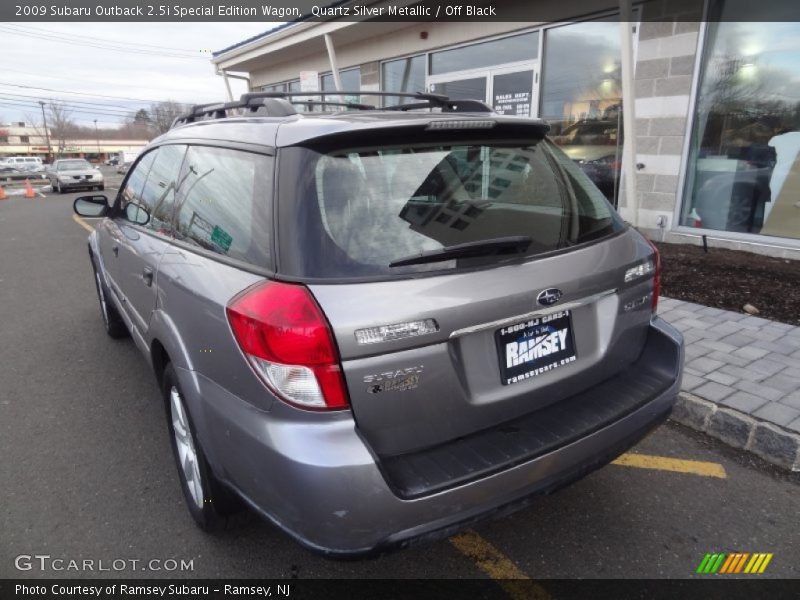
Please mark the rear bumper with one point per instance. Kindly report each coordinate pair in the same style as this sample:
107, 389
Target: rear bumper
318, 481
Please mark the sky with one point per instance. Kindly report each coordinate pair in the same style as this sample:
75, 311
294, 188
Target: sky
137, 63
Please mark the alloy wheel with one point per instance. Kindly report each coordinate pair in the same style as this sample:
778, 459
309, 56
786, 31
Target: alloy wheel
187, 455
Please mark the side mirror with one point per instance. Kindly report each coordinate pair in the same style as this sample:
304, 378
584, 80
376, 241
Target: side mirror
91, 206
136, 214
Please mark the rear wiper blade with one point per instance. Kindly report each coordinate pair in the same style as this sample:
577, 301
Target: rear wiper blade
513, 244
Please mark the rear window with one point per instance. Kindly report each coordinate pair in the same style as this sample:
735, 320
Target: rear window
355, 212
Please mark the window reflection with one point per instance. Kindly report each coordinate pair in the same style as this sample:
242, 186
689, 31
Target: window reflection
744, 174
219, 204
403, 75
460, 89
582, 98
486, 54
378, 205
350, 78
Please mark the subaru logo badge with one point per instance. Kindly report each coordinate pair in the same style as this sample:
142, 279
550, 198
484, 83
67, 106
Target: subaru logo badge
549, 296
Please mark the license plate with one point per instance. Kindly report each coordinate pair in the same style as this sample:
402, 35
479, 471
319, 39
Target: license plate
535, 346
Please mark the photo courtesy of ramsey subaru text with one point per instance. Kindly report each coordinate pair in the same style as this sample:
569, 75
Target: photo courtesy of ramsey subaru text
375, 326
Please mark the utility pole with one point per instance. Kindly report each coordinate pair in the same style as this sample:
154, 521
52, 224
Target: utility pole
97, 135
47, 134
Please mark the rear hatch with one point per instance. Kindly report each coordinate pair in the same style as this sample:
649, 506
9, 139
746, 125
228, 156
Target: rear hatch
469, 277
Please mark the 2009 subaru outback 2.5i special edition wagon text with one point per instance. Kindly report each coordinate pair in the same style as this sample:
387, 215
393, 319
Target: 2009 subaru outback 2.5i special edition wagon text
374, 326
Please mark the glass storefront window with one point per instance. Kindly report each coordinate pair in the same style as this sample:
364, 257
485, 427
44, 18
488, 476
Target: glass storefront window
512, 93
403, 75
582, 98
278, 87
487, 54
351, 80
743, 170
462, 88
294, 86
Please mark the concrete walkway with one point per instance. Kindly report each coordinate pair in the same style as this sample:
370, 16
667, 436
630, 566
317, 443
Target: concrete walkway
741, 379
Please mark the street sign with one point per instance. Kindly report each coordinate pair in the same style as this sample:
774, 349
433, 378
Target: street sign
221, 238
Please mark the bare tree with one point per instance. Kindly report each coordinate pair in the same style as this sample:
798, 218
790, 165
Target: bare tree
60, 125
163, 113
138, 125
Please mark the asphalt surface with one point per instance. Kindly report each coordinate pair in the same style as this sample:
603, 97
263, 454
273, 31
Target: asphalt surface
87, 471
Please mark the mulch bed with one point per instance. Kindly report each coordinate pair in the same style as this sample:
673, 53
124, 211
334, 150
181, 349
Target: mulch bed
729, 279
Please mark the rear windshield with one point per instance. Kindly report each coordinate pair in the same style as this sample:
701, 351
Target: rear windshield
358, 212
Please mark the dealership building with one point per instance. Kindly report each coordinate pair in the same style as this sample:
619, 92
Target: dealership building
22, 139
716, 100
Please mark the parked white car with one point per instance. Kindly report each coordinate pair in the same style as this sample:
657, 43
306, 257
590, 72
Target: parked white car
25, 164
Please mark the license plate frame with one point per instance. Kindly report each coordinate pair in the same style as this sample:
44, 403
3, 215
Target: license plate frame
534, 346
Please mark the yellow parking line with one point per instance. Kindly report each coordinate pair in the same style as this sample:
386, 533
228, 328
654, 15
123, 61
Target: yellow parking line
676, 465
498, 566
82, 223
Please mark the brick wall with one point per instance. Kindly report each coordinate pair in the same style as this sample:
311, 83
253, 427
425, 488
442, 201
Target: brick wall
665, 59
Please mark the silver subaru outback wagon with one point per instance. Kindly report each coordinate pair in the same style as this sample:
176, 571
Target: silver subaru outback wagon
376, 326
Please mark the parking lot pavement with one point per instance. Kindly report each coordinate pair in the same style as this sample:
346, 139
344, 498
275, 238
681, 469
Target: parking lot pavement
87, 470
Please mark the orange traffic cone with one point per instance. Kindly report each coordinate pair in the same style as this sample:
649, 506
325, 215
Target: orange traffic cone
2, 193
29, 189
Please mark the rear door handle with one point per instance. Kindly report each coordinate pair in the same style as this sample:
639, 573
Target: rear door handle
147, 276
115, 250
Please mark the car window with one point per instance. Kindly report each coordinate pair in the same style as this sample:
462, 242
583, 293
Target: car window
158, 193
223, 203
132, 190
357, 211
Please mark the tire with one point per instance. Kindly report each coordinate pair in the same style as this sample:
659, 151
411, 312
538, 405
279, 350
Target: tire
208, 501
112, 321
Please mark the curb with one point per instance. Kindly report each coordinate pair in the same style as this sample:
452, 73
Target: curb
770, 442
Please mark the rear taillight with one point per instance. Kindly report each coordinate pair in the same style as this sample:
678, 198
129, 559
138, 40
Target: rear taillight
287, 340
656, 275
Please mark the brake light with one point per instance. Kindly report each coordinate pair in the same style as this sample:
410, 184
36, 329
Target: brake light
288, 342
656, 275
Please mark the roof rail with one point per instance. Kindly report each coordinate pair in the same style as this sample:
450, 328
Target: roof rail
423, 99
279, 104
353, 105
274, 107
